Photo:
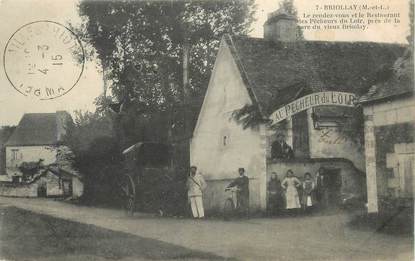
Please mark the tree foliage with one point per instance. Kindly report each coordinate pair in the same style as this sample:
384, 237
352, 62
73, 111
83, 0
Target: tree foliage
5, 133
140, 47
96, 154
140, 44
288, 7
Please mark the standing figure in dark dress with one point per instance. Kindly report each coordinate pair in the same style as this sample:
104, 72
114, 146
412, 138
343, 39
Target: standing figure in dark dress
322, 188
242, 184
275, 195
280, 149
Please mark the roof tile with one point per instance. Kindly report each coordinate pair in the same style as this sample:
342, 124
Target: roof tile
36, 129
270, 70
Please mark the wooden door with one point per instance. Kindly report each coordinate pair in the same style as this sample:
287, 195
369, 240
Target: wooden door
406, 164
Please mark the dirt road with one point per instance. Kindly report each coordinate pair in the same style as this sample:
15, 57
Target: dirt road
295, 238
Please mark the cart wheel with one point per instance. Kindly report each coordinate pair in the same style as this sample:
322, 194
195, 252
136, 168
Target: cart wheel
129, 194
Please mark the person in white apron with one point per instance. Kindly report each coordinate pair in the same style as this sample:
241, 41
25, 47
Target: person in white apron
195, 187
290, 184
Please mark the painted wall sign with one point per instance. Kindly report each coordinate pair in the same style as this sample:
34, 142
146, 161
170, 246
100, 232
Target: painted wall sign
313, 100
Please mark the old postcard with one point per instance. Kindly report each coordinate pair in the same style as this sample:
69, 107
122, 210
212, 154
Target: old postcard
207, 130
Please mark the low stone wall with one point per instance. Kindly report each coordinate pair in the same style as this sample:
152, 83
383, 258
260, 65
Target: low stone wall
5, 178
13, 190
49, 183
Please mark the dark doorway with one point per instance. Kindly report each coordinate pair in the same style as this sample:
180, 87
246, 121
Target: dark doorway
16, 179
300, 135
333, 181
41, 190
70, 188
67, 187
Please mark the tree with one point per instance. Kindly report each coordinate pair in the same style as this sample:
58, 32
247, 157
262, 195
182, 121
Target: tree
85, 128
5, 133
140, 47
140, 43
288, 7
95, 152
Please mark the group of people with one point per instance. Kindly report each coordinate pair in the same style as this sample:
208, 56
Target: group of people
292, 194
279, 150
196, 185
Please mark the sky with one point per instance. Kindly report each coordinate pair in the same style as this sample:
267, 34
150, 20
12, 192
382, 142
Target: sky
15, 13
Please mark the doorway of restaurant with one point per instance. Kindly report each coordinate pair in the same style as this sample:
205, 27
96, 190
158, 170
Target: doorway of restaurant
333, 182
42, 190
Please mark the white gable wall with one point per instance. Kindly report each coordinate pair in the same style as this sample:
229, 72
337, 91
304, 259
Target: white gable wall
220, 145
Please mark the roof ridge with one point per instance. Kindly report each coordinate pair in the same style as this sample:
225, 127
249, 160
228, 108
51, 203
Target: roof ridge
267, 67
36, 129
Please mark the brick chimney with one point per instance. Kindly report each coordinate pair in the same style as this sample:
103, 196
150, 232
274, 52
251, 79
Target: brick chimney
280, 27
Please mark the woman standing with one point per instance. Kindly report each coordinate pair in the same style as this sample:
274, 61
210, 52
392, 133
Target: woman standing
276, 197
308, 188
290, 184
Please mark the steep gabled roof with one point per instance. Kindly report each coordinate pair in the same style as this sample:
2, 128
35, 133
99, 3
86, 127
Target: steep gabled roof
275, 73
36, 129
401, 82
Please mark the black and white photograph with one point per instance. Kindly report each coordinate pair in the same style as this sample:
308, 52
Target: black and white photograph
207, 130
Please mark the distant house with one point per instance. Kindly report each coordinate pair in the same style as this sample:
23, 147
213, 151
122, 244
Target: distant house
389, 111
34, 145
259, 76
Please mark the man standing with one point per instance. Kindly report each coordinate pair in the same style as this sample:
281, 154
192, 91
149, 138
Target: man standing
280, 149
322, 188
195, 186
242, 184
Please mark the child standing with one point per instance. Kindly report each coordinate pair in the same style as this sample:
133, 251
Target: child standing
308, 188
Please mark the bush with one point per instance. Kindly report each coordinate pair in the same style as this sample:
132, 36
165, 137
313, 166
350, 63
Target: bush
101, 166
97, 156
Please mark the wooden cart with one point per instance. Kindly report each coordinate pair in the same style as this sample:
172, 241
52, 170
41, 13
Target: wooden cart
151, 182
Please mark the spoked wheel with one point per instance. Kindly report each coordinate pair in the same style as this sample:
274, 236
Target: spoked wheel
129, 194
228, 209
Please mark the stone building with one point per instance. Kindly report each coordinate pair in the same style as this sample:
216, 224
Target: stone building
253, 78
389, 111
35, 145
36, 137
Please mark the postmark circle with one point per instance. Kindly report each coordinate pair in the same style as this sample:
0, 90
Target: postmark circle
44, 60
